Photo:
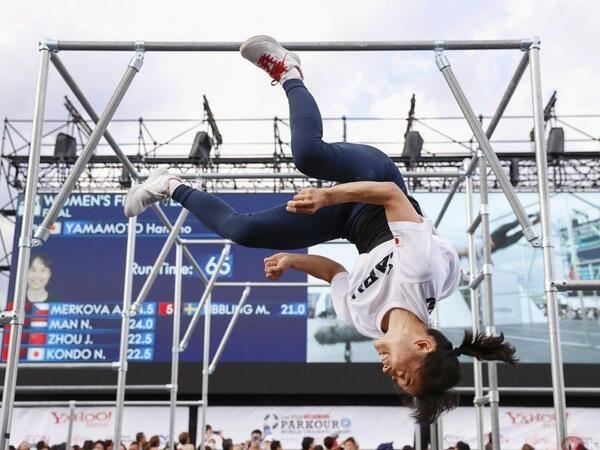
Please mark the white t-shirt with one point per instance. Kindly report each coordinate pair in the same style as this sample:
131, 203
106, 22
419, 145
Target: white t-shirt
412, 272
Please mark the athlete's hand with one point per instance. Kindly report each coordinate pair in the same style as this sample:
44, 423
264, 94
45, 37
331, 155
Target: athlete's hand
277, 264
308, 201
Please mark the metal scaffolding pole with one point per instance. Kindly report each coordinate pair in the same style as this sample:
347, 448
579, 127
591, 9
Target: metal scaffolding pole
319, 46
508, 93
43, 231
493, 396
69, 440
204, 299
558, 382
175, 345
484, 143
124, 344
14, 344
64, 73
298, 175
475, 319
228, 331
160, 259
205, 367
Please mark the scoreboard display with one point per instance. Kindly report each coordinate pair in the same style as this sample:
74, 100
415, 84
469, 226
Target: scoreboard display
75, 289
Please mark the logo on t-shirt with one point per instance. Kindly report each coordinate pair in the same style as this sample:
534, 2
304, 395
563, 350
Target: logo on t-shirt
383, 267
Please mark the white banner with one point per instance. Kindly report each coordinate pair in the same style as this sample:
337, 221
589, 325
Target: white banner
51, 424
371, 426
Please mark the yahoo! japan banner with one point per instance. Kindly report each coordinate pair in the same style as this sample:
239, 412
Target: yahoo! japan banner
93, 423
75, 288
371, 426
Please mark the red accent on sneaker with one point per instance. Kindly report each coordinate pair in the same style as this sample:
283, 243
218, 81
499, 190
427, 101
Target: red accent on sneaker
275, 68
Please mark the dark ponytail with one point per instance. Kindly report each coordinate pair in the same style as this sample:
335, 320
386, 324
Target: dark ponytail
487, 348
441, 371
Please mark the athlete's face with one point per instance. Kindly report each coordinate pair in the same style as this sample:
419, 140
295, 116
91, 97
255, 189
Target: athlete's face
403, 358
38, 274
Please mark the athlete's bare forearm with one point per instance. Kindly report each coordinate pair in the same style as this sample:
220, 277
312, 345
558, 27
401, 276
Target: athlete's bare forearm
388, 194
317, 266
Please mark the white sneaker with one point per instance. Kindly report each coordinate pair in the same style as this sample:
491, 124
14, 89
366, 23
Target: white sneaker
268, 54
154, 189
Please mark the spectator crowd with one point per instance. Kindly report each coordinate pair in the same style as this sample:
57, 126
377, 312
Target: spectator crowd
216, 440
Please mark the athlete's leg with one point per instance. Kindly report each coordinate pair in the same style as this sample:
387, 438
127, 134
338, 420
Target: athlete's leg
342, 162
273, 228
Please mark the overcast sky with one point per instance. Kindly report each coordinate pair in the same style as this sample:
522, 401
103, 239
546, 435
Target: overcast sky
352, 84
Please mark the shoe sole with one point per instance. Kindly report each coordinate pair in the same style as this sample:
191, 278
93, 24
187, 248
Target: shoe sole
262, 38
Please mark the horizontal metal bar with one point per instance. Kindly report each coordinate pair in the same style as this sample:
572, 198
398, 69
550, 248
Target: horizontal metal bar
108, 403
89, 388
227, 241
534, 390
473, 227
578, 285
113, 365
269, 284
477, 281
330, 46
297, 175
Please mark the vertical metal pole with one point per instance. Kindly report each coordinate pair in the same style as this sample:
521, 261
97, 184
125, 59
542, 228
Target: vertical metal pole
558, 382
175, 344
418, 444
205, 368
124, 344
43, 231
576, 272
344, 129
433, 436
490, 329
69, 440
475, 320
16, 325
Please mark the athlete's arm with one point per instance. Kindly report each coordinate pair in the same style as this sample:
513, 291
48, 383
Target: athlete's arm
387, 194
317, 266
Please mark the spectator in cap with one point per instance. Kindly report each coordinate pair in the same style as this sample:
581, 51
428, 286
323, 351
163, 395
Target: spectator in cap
330, 443
275, 445
460, 445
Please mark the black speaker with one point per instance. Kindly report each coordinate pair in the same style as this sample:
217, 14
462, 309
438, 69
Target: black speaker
556, 140
65, 147
201, 147
413, 144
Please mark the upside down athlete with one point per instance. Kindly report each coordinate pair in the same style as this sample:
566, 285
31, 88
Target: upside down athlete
403, 268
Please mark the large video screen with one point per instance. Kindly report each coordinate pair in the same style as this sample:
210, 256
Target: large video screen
75, 284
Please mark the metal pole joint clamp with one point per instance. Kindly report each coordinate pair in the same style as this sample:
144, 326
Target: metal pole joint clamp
119, 366
486, 269
535, 42
441, 60
484, 209
494, 396
490, 330
48, 44
24, 241
137, 61
438, 46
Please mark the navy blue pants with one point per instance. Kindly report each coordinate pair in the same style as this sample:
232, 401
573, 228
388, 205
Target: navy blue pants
278, 229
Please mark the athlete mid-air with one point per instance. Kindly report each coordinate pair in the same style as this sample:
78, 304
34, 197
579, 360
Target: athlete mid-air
403, 267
